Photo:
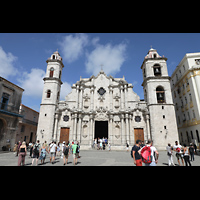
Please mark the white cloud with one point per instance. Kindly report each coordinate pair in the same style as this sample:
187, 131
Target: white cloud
32, 82
6, 64
111, 57
65, 90
72, 46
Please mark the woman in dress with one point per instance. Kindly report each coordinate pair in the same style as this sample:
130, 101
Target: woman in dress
43, 151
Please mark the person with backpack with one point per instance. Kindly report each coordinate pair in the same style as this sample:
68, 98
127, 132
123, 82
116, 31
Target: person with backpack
135, 155
149, 154
66, 152
36, 152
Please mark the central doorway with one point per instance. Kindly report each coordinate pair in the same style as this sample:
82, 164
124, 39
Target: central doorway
101, 129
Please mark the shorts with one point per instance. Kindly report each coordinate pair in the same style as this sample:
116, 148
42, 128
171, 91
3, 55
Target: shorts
36, 155
75, 155
66, 156
52, 154
178, 155
139, 162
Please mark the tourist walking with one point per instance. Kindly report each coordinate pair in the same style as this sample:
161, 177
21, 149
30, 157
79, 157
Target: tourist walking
22, 154
191, 149
36, 152
52, 150
136, 156
186, 155
170, 155
179, 155
154, 153
43, 152
75, 153
66, 152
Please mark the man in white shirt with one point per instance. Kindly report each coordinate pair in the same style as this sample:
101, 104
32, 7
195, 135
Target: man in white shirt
179, 154
52, 149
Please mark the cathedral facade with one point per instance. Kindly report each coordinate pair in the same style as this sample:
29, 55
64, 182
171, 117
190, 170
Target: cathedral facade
104, 106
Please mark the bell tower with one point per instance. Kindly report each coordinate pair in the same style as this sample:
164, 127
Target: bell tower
157, 94
50, 98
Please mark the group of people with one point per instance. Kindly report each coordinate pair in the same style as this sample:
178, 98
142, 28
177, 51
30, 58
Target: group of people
139, 153
182, 153
39, 152
101, 143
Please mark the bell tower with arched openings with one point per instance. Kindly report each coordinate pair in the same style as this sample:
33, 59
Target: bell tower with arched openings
157, 94
50, 98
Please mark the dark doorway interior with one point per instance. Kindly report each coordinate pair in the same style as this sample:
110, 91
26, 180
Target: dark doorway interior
101, 129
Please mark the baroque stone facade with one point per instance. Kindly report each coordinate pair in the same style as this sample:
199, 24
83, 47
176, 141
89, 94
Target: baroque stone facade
104, 106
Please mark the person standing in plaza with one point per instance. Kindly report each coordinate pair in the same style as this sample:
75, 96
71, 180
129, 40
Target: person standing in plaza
66, 152
179, 155
43, 152
154, 153
170, 155
186, 155
191, 149
36, 152
52, 150
75, 155
22, 154
136, 156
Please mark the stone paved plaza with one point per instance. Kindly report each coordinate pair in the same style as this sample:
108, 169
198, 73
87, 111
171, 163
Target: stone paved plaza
91, 158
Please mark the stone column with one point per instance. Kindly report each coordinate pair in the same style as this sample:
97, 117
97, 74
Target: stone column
148, 128
92, 98
91, 136
77, 97
111, 98
81, 98
127, 129
126, 97
75, 125
71, 131
122, 130
55, 127
79, 128
110, 136
122, 97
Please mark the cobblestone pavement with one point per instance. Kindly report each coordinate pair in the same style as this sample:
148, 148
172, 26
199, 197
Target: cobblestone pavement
91, 158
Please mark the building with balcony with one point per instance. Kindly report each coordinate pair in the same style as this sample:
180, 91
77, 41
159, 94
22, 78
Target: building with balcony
185, 84
10, 100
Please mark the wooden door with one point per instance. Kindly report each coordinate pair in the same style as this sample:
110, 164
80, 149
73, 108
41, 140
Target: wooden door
64, 135
139, 134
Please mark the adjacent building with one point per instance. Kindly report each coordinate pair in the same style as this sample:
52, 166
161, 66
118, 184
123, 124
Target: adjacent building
27, 124
10, 100
185, 84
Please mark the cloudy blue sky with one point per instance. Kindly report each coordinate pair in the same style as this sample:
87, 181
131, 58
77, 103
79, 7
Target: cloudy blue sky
23, 57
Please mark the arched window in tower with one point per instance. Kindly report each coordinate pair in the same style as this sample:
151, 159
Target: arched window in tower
157, 70
48, 93
160, 93
51, 72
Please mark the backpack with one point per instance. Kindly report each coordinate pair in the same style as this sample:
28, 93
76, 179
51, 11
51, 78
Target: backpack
146, 155
77, 149
66, 151
35, 150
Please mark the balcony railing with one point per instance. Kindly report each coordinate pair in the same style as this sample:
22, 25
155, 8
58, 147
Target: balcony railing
9, 109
